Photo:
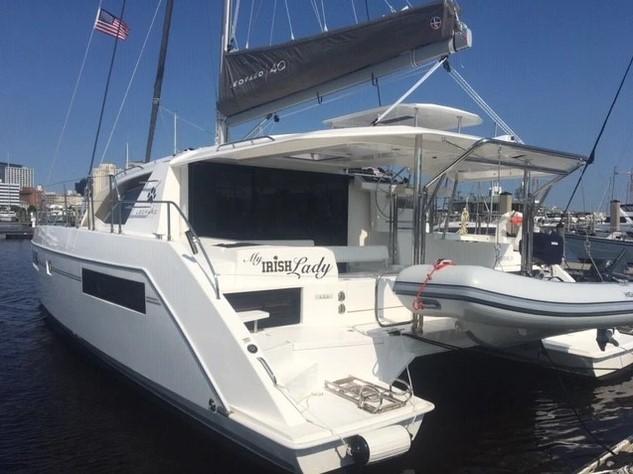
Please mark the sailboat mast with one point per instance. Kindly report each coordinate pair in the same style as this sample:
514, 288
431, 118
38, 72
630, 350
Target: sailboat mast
221, 127
158, 83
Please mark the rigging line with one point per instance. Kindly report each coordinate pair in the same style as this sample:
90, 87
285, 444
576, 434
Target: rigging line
209, 16
358, 89
272, 24
72, 101
292, 35
592, 155
482, 103
317, 14
105, 95
390, 7
569, 402
180, 118
479, 101
354, 10
324, 19
250, 24
233, 39
411, 89
129, 85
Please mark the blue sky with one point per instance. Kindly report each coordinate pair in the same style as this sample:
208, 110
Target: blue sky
549, 68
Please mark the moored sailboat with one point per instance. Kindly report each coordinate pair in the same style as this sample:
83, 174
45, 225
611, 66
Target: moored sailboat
248, 285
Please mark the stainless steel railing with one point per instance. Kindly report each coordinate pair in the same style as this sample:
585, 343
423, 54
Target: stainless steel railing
191, 235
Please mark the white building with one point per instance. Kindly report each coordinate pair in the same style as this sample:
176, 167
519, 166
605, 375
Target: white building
100, 176
70, 199
17, 174
9, 194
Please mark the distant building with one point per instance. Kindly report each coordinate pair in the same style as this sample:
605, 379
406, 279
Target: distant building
17, 174
32, 196
70, 199
101, 175
9, 194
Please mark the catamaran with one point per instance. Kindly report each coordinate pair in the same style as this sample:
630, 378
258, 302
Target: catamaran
251, 284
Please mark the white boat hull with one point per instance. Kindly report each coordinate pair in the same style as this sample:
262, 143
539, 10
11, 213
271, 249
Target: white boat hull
172, 350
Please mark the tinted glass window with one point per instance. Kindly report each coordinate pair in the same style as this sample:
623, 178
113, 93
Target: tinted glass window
242, 203
121, 291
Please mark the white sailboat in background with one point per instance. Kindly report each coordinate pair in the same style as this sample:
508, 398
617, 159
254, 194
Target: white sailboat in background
251, 285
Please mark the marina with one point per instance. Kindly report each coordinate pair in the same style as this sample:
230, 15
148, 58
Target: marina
62, 412
365, 293
15, 231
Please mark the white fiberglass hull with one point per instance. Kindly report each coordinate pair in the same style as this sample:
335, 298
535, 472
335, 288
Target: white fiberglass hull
175, 342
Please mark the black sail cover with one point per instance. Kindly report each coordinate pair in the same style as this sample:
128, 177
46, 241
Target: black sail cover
255, 77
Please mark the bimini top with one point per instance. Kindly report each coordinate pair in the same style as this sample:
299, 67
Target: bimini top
456, 155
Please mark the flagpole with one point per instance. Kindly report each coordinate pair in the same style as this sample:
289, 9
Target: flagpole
97, 17
94, 148
105, 94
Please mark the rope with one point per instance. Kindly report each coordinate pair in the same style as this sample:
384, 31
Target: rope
587, 245
418, 303
188, 122
572, 407
233, 37
272, 24
105, 97
354, 10
463, 224
592, 155
129, 85
292, 35
411, 89
324, 19
391, 9
70, 105
482, 103
317, 14
250, 25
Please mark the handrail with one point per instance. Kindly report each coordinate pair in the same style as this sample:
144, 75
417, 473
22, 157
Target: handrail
245, 140
193, 241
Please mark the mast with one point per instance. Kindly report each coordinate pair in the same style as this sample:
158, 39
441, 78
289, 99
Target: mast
158, 84
221, 126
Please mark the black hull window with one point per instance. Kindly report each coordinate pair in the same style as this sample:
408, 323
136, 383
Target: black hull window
121, 291
249, 203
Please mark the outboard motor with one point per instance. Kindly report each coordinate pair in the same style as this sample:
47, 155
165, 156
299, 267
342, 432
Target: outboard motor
547, 248
604, 337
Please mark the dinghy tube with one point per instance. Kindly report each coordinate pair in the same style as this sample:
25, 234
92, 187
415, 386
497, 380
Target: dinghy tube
501, 309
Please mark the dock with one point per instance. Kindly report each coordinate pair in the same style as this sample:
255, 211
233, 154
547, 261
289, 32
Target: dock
617, 460
15, 231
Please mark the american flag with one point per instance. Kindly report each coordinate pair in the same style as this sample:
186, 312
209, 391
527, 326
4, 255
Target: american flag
111, 25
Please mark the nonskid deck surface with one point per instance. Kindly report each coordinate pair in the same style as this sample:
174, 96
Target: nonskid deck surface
331, 417
317, 337
306, 360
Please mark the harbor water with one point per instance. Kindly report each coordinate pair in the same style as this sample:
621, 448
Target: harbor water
62, 412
